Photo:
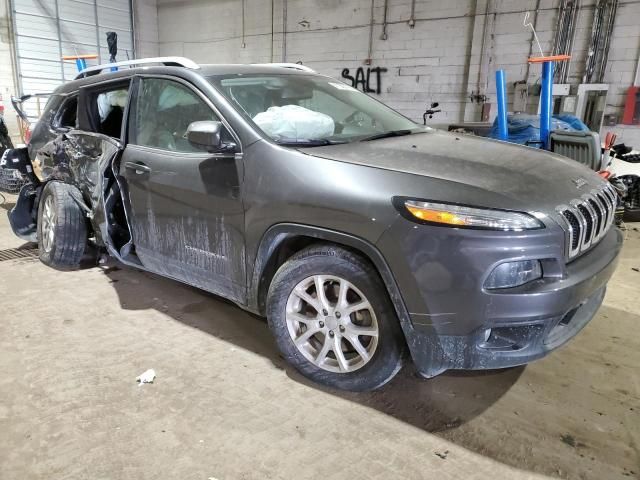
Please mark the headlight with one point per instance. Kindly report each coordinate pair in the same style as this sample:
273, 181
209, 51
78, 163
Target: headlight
513, 274
469, 217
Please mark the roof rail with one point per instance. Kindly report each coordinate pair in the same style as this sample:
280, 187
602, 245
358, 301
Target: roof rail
166, 61
295, 66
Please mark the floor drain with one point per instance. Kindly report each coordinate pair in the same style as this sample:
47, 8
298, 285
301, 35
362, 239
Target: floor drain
27, 251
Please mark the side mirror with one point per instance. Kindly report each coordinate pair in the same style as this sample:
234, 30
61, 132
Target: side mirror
206, 135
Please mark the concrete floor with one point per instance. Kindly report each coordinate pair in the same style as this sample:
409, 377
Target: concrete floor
225, 406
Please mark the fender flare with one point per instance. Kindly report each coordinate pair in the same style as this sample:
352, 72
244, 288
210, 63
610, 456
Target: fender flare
276, 234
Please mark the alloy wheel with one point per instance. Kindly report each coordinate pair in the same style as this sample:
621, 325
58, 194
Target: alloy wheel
48, 224
332, 323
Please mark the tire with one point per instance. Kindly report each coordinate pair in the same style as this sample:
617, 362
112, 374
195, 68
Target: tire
368, 320
62, 227
631, 215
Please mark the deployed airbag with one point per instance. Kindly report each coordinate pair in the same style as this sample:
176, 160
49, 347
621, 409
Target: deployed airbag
108, 100
173, 96
293, 122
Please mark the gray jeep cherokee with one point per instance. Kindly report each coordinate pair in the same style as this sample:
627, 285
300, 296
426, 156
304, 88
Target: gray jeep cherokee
358, 233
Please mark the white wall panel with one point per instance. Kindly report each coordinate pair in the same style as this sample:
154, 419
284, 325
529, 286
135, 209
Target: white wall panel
38, 48
39, 85
78, 11
113, 18
36, 7
47, 29
37, 26
40, 69
79, 33
119, 4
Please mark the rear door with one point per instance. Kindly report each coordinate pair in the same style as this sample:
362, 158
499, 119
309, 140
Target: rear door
78, 144
92, 128
186, 211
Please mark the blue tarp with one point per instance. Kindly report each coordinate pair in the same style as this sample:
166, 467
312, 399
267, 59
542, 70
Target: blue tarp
525, 128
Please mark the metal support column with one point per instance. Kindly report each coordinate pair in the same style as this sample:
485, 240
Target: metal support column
501, 93
545, 103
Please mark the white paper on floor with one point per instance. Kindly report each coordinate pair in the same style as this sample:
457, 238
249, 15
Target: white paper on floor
147, 377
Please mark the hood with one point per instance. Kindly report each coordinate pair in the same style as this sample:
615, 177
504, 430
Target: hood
520, 176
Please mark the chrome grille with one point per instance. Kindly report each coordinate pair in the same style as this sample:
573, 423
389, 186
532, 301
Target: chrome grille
587, 219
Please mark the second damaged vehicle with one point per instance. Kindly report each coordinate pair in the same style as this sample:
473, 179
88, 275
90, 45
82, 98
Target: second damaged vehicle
358, 233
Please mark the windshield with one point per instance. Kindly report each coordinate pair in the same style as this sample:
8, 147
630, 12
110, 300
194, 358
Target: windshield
310, 109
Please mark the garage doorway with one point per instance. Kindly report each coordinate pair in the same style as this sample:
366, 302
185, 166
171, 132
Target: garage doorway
45, 30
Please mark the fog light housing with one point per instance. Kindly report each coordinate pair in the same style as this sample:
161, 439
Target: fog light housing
513, 274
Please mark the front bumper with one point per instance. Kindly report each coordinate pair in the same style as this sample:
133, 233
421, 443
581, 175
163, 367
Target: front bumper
467, 327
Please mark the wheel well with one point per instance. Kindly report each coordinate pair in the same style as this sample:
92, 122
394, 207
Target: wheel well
288, 247
285, 249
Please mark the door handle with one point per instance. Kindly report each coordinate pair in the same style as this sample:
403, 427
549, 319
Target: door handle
139, 168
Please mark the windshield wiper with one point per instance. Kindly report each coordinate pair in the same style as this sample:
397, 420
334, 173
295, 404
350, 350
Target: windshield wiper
391, 133
307, 143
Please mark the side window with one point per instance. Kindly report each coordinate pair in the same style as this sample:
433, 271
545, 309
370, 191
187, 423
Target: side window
101, 108
111, 106
68, 114
163, 111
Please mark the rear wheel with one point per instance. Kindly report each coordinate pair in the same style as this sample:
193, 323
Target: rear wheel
62, 228
333, 321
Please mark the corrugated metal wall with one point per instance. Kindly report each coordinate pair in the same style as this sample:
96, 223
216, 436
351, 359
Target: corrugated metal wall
48, 29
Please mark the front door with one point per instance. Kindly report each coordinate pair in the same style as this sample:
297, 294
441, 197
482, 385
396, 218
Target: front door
187, 216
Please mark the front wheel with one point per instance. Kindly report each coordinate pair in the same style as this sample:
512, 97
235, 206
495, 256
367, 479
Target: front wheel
333, 320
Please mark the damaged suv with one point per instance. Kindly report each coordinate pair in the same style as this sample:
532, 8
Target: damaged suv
359, 234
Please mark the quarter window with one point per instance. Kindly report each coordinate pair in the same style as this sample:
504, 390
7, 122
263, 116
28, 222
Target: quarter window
163, 112
68, 115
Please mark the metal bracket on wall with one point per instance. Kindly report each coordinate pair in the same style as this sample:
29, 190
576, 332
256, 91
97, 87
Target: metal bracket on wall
477, 97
